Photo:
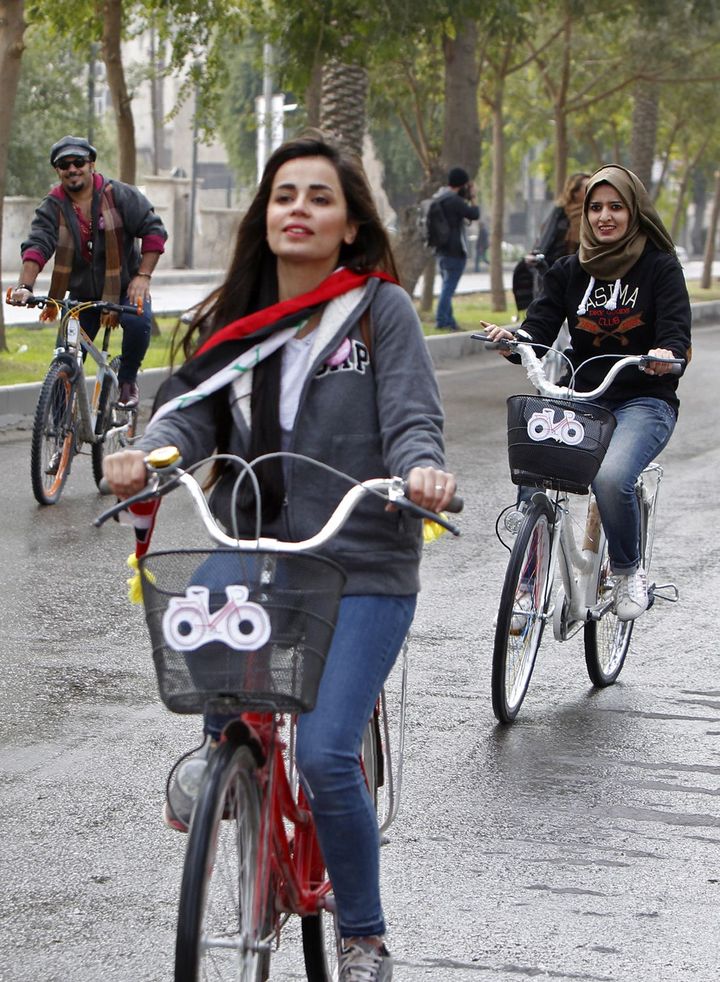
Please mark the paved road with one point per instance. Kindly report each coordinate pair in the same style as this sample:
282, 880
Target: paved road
581, 843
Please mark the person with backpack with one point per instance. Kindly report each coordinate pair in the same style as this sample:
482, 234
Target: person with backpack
449, 214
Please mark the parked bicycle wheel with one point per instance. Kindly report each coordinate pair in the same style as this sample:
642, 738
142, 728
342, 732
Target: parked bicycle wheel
109, 417
521, 614
53, 437
224, 922
607, 640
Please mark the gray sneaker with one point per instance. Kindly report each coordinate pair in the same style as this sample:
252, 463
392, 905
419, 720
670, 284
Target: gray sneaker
364, 962
183, 786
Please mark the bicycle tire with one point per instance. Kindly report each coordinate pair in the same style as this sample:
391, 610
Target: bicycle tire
320, 946
53, 433
109, 416
224, 917
372, 757
607, 641
521, 613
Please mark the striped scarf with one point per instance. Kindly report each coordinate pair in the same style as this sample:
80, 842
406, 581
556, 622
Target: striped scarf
112, 224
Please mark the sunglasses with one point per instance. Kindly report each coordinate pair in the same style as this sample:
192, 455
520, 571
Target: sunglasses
65, 163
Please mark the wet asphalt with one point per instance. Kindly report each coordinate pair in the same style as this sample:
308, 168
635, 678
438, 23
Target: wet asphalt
582, 843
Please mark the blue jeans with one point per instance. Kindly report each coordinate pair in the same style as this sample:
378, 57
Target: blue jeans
369, 634
135, 338
643, 429
451, 269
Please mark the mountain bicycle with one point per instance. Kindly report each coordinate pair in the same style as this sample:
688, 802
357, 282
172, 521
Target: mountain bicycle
556, 443
66, 417
254, 648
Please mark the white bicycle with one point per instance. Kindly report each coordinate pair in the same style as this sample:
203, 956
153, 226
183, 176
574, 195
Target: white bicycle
545, 539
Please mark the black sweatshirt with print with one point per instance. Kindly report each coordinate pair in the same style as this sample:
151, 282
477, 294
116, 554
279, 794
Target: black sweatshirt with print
653, 311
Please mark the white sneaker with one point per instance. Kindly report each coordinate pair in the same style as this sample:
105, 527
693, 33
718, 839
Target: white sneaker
631, 596
523, 602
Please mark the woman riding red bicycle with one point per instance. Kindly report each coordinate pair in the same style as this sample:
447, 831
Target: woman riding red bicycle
353, 387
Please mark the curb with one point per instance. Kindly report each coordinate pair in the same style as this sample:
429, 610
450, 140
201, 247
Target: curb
19, 401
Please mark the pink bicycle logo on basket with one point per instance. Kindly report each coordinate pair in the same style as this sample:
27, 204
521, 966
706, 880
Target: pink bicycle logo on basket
569, 430
188, 624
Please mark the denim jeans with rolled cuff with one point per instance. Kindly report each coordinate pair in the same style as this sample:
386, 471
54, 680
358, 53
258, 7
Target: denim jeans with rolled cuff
644, 427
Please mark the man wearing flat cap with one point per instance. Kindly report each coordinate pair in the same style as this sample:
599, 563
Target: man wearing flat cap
106, 239
458, 205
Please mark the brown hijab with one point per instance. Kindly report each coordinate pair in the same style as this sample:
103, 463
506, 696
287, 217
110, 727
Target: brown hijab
610, 261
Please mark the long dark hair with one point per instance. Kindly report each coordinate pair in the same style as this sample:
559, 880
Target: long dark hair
251, 284
251, 280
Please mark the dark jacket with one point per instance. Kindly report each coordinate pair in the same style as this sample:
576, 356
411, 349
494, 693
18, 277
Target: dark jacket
552, 242
87, 278
458, 212
653, 311
377, 414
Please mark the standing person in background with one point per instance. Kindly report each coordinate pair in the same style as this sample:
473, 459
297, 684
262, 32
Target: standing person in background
459, 207
560, 234
481, 246
91, 225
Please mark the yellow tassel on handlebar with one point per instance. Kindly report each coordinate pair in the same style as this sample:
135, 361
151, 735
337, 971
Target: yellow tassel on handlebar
431, 530
134, 585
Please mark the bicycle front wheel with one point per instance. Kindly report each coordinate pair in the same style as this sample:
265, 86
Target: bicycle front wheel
224, 921
521, 614
109, 418
53, 436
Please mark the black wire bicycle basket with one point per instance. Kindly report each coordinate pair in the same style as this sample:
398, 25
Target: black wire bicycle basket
252, 628
557, 443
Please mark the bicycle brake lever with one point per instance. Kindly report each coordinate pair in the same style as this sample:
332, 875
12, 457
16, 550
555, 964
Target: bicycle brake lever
153, 489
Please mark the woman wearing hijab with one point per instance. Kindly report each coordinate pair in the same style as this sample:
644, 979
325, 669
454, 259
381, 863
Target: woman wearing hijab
624, 293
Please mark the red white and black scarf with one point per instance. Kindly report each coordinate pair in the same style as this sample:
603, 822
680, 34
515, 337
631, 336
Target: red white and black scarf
240, 345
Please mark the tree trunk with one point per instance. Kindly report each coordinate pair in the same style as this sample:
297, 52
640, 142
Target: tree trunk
461, 123
706, 279
12, 29
313, 95
112, 36
497, 286
646, 108
343, 105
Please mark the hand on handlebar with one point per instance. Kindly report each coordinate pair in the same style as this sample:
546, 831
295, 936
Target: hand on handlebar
18, 296
495, 333
430, 488
138, 292
125, 472
660, 367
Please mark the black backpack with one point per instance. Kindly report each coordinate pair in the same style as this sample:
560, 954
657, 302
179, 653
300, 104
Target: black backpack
436, 227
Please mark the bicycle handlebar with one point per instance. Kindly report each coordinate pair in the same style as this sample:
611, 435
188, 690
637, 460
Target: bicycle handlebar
536, 373
391, 489
67, 305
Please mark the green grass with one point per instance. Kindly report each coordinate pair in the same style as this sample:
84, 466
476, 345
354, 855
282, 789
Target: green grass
31, 348
30, 351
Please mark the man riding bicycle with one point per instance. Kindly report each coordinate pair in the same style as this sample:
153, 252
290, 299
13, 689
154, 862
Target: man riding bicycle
91, 224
